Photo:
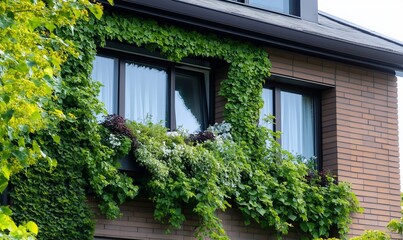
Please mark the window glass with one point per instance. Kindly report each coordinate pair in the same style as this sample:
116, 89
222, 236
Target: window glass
105, 71
297, 124
145, 93
267, 109
143, 89
275, 5
189, 100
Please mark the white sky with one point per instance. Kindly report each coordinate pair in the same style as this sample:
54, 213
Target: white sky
385, 17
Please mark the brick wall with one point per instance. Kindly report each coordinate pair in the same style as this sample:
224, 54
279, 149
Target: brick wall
360, 145
359, 131
220, 74
138, 222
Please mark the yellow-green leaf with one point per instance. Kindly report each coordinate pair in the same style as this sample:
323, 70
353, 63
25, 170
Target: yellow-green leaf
56, 138
48, 71
52, 163
32, 227
96, 10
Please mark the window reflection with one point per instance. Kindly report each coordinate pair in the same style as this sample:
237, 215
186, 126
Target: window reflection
189, 100
275, 5
154, 90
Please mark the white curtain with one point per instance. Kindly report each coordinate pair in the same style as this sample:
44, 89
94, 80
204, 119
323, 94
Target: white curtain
146, 93
297, 125
105, 71
267, 109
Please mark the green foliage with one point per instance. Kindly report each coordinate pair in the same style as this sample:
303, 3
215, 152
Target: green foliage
54, 200
279, 190
31, 55
30, 58
328, 206
266, 183
270, 187
201, 175
396, 225
9, 230
372, 235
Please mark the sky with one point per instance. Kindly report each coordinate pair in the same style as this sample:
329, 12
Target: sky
384, 17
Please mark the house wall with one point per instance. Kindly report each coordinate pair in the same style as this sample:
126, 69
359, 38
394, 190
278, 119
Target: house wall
138, 222
219, 75
359, 131
359, 145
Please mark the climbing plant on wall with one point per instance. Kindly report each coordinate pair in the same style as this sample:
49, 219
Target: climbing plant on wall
267, 184
30, 58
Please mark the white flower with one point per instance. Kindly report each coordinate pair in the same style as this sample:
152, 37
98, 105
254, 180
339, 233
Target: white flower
173, 134
114, 141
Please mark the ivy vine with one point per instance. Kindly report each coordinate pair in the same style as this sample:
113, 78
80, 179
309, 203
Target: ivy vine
267, 184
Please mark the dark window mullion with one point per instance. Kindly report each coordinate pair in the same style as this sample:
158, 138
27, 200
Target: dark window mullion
295, 7
171, 100
277, 110
204, 101
122, 88
211, 98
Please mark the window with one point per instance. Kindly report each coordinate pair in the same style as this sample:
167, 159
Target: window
141, 88
291, 7
296, 116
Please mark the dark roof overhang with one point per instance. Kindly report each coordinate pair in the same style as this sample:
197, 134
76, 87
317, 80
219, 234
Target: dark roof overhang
266, 33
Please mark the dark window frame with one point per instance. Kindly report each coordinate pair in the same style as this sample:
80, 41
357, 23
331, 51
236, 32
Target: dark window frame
142, 56
277, 87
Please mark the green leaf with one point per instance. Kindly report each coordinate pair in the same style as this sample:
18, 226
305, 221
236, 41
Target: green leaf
21, 142
52, 163
96, 10
32, 227
6, 20
56, 138
5, 210
8, 115
261, 211
6, 223
48, 71
6, 98
35, 146
35, 116
3, 183
22, 155
292, 217
50, 26
4, 178
35, 22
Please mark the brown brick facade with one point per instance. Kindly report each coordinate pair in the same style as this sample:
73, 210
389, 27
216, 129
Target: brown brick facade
359, 145
138, 222
359, 131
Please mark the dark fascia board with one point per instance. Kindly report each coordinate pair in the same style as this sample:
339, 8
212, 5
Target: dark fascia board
265, 33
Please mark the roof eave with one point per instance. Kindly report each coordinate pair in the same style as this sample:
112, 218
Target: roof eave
265, 33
